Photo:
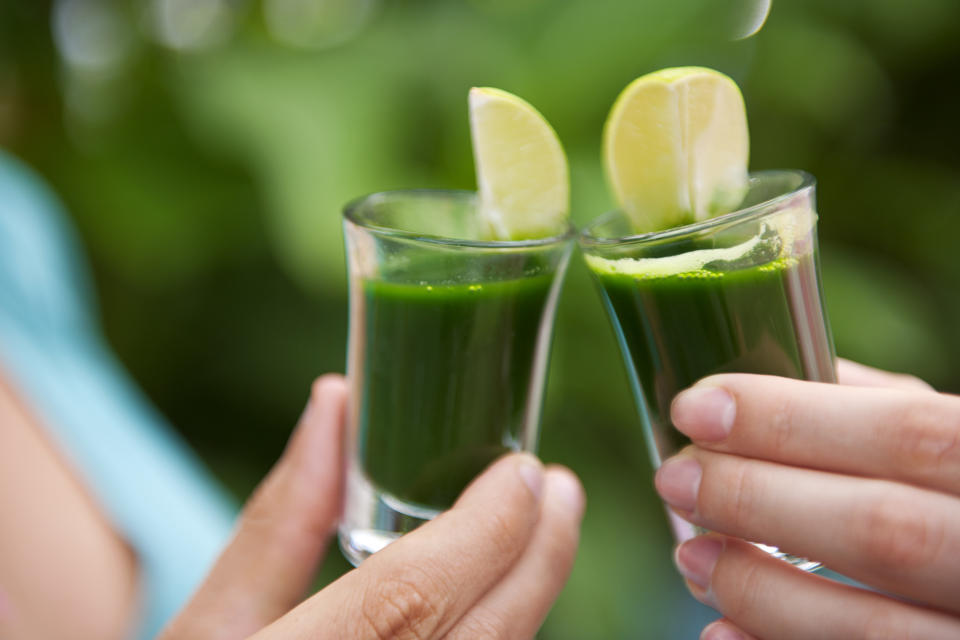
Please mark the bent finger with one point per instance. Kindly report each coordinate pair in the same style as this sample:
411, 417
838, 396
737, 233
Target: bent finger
902, 539
768, 598
907, 435
281, 534
423, 583
515, 608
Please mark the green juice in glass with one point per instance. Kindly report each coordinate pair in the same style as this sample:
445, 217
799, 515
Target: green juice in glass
676, 329
447, 381
447, 355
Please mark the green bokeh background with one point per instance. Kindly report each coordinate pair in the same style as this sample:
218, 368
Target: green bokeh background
205, 147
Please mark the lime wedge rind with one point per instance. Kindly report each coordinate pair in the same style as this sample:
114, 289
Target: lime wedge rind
793, 229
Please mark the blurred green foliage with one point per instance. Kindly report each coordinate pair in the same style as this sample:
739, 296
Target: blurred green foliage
205, 148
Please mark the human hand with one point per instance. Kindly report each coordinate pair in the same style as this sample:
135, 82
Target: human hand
489, 567
863, 476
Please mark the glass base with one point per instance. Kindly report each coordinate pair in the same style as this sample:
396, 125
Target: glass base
683, 531
372, 519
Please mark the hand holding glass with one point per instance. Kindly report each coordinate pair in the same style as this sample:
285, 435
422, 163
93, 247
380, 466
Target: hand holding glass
739, 293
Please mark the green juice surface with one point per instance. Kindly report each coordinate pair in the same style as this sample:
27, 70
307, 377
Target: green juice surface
447, 373
675, 329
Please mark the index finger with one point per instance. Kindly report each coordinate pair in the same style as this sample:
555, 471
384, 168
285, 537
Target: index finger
908, 435
423, 583
282, 533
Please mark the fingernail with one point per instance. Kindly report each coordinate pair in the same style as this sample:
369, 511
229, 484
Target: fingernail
678, 482
696, 559
704, 413
531, 471
565, 486
721, 631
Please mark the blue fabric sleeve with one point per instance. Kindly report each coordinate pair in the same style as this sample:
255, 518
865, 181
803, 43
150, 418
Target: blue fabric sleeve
147, 481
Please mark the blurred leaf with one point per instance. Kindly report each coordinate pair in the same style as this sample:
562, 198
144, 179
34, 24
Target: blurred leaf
835, 84
152, 210
322, 129
906, 33
905, 207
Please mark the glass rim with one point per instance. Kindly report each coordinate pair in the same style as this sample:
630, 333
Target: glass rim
807, 181
352, 208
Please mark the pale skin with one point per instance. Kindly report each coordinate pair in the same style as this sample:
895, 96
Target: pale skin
489, 567
863, 476
64, 572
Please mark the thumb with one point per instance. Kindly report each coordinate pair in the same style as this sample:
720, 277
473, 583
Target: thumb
282, 533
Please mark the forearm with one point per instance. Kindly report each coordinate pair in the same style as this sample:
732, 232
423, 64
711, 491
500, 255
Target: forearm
64, 573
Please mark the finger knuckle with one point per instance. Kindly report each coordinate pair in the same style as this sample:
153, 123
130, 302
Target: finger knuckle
891, 530
259, 512
502, 535
781, 428
928, 436
279, 493
487, 624
402, 608
735, 503
744, 594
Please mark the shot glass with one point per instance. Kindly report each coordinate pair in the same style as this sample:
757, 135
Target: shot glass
449, 342
736, 293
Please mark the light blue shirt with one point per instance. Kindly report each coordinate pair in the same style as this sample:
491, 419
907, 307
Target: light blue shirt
148, 483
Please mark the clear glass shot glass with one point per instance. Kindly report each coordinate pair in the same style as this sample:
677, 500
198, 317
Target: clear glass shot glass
736, 293
449, 342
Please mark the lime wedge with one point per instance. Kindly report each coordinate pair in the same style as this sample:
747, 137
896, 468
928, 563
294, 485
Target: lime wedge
675, 147
522, 175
